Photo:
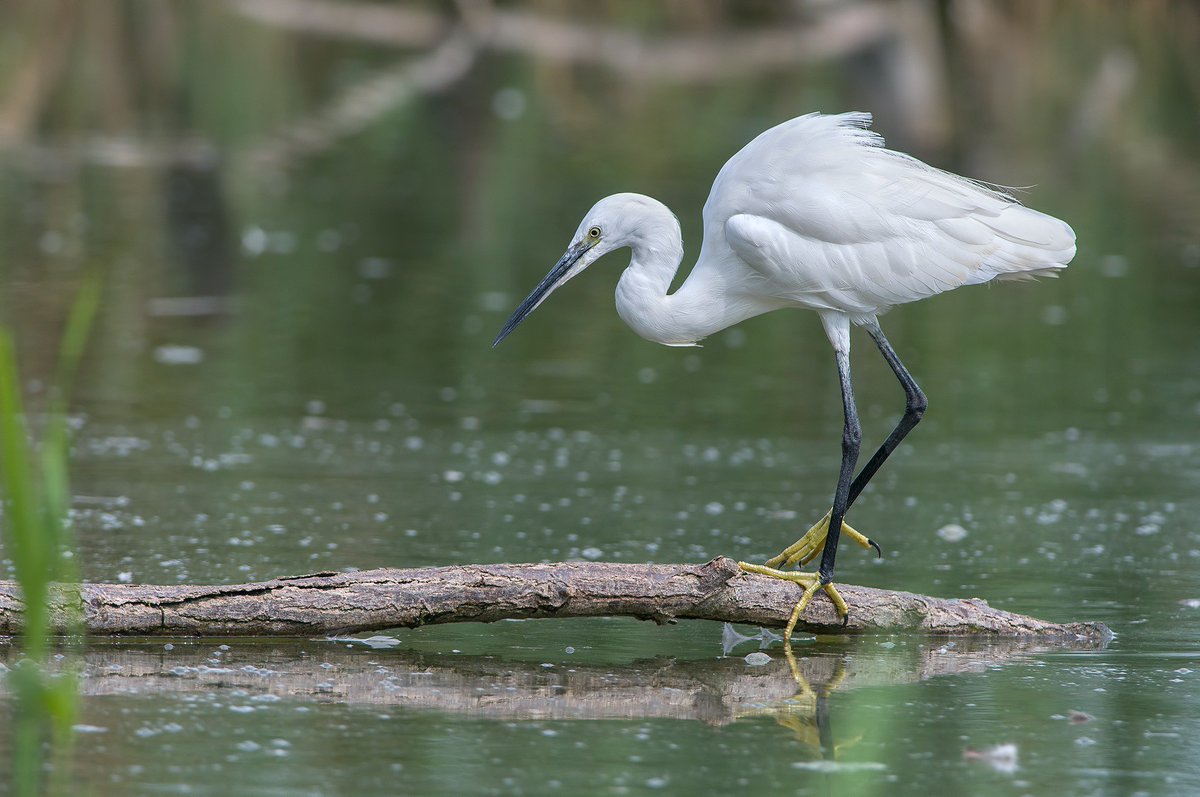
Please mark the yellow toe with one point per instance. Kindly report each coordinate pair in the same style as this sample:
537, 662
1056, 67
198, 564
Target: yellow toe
811, 583
810, 545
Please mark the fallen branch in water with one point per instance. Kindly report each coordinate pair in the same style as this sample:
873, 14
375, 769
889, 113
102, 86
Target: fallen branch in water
370, 600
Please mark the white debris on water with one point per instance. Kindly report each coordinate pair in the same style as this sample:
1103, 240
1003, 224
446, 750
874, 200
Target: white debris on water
1002, 757
377, 642
254, 240
1151, 524
89, 729
757, 659
830, 767
952, 532
178, 355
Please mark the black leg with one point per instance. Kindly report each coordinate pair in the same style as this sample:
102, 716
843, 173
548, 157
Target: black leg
915, 404
837, 328
851, 442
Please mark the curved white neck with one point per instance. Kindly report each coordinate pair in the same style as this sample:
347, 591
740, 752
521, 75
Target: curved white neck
642, 299
706, 303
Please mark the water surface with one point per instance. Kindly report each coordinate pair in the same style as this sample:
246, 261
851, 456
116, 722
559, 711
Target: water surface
292, 372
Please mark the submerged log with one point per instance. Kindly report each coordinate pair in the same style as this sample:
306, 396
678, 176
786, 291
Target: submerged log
371, 600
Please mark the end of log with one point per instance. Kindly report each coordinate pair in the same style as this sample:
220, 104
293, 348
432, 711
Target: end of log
881, 610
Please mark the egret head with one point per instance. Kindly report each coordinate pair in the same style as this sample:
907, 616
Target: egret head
614, 222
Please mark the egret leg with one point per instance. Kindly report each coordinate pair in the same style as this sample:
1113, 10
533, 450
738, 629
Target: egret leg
837, 327
851, 443
805, 549
915, 405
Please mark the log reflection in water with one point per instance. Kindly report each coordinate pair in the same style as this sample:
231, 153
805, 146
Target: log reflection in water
715, 691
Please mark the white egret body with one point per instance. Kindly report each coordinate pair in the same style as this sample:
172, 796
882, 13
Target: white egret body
815, 213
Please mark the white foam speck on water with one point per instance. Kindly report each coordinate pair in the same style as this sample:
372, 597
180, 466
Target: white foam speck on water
831, 767
952, 532
178, 355
89, 728
377, 642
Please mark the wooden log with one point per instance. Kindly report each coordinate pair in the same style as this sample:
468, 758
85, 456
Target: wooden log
370, 600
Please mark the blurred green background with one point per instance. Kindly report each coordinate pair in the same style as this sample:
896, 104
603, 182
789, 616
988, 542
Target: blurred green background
313, 216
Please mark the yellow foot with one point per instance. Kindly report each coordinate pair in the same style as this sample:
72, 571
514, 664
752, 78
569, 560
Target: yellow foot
805, 549
811, 583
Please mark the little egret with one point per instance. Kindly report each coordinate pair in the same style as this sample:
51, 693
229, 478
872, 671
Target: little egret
815, 213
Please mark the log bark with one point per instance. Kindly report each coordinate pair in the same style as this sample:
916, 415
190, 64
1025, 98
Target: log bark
370, 600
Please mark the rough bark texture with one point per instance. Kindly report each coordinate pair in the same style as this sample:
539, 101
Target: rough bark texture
327, 603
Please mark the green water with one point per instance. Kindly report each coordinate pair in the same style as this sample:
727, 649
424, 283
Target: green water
321, 394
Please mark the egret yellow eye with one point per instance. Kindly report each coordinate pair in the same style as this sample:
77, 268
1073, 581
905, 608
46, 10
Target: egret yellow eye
594, 233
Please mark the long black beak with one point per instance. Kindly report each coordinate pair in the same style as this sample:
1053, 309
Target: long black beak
557, 276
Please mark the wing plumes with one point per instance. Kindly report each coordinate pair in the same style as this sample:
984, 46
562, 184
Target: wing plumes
835, 131
1024, 245
829, 218
982, 226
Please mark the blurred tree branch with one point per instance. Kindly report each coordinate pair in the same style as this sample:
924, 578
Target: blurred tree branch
837, 31
447, 46
354, 109
26, 84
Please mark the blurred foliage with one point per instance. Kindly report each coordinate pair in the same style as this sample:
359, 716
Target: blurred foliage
36, 534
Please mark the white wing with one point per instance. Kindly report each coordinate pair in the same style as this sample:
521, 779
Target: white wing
827, 218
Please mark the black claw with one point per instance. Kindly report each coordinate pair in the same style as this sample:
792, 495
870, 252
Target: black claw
846, 620
875, 545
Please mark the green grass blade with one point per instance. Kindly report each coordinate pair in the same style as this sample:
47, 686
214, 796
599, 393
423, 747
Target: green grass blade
36, 524
75, 337
24, 521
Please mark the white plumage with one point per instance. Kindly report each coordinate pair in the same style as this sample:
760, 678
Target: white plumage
817, 213
840, 223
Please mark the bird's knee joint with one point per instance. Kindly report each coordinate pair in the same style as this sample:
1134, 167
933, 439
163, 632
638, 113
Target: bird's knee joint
851, 439
917, 406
